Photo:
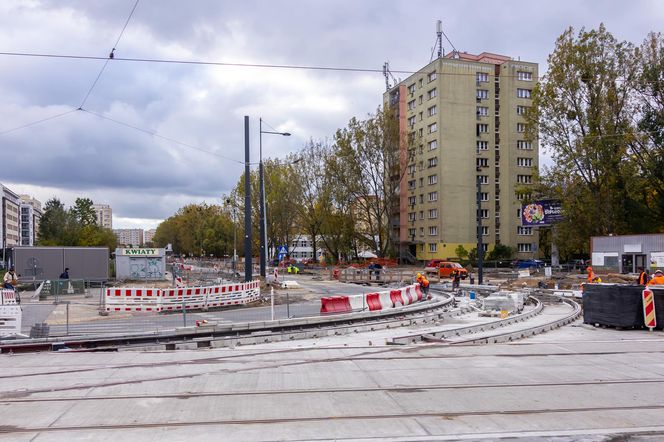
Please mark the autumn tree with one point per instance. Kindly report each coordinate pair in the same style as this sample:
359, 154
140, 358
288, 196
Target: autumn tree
582, 109
367, 158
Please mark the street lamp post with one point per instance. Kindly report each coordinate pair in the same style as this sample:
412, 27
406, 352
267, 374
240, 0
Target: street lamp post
263, 221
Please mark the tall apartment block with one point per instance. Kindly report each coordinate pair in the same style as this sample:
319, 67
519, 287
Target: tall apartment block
104, 215
129, 237
10, 227
461, 118
31, 213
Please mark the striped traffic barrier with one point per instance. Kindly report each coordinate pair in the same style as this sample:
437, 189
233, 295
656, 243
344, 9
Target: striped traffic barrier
133, 300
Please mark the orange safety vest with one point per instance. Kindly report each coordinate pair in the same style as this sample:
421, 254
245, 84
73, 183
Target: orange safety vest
656, 280
643, 278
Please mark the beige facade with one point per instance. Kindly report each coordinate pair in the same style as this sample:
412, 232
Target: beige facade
461, 117
10, 219
104, 215
31, 213
148, 235
129, 237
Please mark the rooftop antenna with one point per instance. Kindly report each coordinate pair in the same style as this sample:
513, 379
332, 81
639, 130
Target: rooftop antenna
439, 37
387, 74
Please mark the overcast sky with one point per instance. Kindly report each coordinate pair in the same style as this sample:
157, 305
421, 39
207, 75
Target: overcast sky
147, 178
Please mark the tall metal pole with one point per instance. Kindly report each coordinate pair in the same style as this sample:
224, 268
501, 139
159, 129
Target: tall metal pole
247, 206
263, 227
480, 246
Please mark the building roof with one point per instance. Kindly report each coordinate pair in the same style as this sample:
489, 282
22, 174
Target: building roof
484, 57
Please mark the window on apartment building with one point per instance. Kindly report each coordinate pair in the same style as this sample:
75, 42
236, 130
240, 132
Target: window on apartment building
431, 76
484, 196
420, 114
412, 200
433, 196
524, 145
411, 216
421, 214
411, 232
421, 198
433, 144
521, 110
523, 93
432, 162
433, 179
420, 100
485, 231
411, 105
524, 196
433, 128
482, 76
433, 93
420, 82
524, 179
432, 111
421, 182
420, 132
484, 179
433, 213
484, 213
433, 247
411, 88
518, 213
412, 184
411, 168
482, 128
433, 230
482, 145
482, 162
520, 230
411, 121
482, 111
520, 127
524, 162
482, 94
525, 76
524, 247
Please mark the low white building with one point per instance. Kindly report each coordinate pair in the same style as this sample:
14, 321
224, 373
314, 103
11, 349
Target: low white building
302, 247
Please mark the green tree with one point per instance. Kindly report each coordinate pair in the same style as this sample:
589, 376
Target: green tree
500, 251
368, 166
58, 227
461, 252
582, 110
83, 211
647, 146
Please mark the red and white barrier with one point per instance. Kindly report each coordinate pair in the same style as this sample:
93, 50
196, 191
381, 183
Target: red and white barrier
10, 319
174, 299
384, 300
8, 297
133, 300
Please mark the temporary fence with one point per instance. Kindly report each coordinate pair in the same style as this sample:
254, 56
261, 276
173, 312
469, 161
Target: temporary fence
372, 301
176, 299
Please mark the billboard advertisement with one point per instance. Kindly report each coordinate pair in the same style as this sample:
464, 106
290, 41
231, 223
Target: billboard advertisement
541, 213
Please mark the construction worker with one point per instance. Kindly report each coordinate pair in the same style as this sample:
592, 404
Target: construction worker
643, 277
423, 282
596, 279
657, 278
591, 274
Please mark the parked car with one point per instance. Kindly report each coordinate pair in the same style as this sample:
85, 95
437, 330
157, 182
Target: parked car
445, 269
520, 264
432, 266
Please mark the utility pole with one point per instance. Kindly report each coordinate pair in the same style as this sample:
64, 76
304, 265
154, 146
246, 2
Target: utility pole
247, 206
480, 246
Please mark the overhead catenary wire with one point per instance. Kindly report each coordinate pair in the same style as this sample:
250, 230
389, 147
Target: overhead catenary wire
42, 120
157, 135
110, 56
235, 64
